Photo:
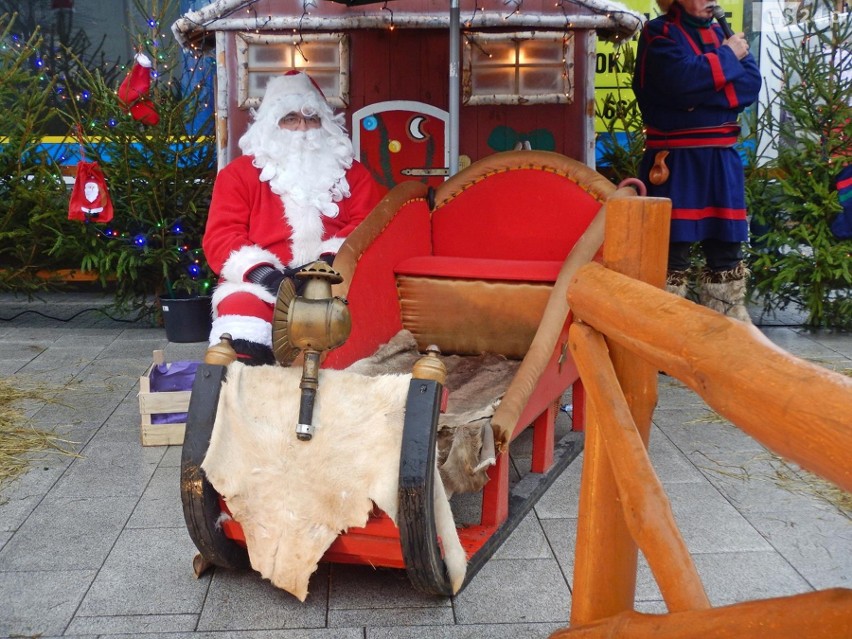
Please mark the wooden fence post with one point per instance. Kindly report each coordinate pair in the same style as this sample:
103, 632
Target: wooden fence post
635, 244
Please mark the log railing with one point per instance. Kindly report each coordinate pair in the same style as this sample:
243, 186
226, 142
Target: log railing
627, 330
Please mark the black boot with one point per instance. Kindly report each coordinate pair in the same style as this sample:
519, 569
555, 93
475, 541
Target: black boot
252, 353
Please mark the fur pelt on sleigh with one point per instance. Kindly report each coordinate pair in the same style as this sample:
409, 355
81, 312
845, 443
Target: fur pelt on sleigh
475, 384
293, 498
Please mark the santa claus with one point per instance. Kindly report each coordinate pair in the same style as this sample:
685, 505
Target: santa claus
290, 199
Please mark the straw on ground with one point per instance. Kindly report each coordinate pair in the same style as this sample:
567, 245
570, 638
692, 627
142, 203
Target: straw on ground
19, 440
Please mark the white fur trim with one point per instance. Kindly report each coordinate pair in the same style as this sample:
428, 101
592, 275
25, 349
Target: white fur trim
306, 222
331, 245
229, 288
245, 327
244, 259
143, 60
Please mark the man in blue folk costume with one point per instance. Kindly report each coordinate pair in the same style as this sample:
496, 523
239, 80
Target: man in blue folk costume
691, 83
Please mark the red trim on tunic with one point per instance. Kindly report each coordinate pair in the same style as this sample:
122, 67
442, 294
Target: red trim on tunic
720, 136
731, 94
716, 70
682, 143
708, 36
695, 47
710, 211
844, 183
712, 58
722, 129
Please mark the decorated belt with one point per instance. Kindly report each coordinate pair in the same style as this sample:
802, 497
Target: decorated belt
714, 136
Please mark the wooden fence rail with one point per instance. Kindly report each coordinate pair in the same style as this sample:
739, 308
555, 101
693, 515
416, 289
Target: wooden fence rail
627, 330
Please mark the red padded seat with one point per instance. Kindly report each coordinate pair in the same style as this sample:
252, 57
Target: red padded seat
479, 268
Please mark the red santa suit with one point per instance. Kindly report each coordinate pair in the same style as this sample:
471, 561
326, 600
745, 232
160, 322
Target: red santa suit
261, 216
245, 212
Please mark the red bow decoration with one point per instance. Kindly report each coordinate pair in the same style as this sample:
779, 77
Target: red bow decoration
90, 201
134, 90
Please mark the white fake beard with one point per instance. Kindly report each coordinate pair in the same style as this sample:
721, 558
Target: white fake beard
309, 174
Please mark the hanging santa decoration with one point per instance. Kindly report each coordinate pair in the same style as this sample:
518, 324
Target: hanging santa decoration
134, 90
90, 201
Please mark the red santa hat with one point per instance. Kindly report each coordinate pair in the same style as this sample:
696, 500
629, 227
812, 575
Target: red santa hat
299, 75
293, 91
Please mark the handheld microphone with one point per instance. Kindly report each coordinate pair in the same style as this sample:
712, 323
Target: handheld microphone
719, 14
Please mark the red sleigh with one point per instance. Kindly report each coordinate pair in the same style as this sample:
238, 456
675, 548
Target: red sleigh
480, 264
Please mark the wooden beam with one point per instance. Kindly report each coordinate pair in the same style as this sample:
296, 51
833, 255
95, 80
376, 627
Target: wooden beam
644, 502
816, 615
636, 243
797, 409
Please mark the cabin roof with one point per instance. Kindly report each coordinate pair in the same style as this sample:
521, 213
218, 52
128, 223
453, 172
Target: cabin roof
613, 21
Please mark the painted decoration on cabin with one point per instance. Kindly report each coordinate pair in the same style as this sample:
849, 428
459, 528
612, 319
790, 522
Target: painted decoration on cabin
401, 140
505, 138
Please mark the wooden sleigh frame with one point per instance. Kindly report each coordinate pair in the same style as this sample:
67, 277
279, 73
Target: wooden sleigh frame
407, 226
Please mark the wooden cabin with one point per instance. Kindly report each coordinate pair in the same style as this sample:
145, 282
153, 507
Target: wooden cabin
427, 86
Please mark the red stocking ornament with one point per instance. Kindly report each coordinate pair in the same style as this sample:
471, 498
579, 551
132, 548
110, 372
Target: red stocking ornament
134, 91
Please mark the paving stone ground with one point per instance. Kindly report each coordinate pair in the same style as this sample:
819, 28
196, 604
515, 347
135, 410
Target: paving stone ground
94, 543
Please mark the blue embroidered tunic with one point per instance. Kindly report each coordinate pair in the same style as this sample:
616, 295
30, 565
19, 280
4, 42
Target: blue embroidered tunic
690, 90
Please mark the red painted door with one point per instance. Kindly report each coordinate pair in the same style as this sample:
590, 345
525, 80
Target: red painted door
402, 140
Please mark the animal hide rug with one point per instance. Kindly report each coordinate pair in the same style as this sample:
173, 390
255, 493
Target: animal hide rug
476, 384
293, 498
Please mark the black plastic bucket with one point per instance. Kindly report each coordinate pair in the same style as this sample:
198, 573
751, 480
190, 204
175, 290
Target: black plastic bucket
187, 319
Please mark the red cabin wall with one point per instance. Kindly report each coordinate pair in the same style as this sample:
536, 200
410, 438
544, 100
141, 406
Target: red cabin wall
409, 64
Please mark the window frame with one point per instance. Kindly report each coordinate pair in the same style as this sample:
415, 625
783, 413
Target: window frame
244, 40
566, 96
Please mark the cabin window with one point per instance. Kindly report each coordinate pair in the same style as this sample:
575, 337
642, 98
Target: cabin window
325, 57
518, 68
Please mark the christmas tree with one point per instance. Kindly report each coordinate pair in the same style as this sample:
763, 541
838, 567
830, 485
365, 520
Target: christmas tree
792, 183
32, 194
61, 50
152, 136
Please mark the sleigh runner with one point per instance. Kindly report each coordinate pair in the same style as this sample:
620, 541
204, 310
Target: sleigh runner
479, 265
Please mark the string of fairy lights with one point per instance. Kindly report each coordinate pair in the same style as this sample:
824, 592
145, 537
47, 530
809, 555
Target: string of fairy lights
153, 44
157, 45
221, 9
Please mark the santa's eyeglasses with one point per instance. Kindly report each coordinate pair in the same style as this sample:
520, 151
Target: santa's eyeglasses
295, 121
